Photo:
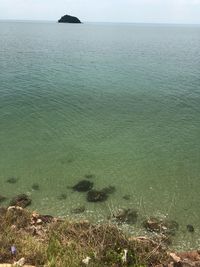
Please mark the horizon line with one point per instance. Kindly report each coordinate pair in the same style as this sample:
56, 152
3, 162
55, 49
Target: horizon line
111, 22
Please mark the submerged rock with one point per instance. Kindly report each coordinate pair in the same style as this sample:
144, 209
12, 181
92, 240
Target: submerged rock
21, 200
190, 228
128, 216
161, 226
78, 210
96, 196
12, 180
83, 186
69, 19
35, 187
100, 195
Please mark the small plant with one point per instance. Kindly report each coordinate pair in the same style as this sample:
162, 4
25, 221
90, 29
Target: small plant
57, 243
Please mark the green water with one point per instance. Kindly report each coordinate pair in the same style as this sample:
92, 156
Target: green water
119, 101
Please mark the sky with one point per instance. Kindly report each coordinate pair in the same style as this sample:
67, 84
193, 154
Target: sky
147, 11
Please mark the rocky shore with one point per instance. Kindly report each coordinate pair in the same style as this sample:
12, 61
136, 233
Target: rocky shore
42, 240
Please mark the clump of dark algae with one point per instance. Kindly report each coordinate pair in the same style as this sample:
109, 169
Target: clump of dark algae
96, 196
126, 197
21, 200
83, 186
100, 195
190, 228
78, 210
12, 180
35, 186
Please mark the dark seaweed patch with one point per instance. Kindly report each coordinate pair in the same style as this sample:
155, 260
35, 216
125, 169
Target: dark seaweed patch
190, 228
83, 186
126, 197
96, 196
12, 180
35, 187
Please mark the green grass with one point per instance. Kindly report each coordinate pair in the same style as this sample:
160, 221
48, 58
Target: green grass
65, 243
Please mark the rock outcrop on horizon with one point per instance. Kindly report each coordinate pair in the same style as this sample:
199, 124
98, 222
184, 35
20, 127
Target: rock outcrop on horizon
69, 19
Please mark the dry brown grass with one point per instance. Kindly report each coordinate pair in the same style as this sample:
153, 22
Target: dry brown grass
65, 243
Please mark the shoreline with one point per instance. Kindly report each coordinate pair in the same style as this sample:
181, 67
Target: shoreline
44, 240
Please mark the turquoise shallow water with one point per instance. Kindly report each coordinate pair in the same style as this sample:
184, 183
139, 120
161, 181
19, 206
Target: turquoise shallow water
120, 101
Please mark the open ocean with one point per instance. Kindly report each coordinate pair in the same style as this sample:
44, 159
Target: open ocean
117, 102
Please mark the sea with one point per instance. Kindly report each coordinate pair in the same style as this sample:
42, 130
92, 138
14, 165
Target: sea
116, 104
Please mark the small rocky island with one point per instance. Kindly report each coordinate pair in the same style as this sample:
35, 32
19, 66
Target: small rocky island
69, 19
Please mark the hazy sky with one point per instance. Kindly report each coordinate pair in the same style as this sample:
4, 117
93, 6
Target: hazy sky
167, 11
